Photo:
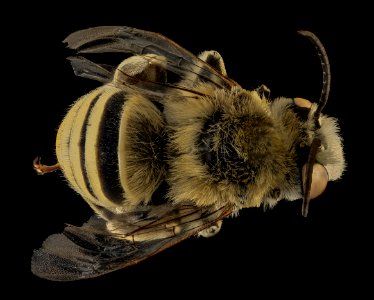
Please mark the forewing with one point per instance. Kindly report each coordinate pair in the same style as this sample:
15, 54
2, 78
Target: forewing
130, 40
90, 250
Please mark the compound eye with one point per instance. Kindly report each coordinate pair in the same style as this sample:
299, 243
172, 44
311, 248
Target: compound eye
320, 177
319, 180
301, 102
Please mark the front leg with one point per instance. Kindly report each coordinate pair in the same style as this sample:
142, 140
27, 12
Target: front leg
263, 91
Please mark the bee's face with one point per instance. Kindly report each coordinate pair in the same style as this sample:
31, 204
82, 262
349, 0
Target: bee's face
329, 157
331, 154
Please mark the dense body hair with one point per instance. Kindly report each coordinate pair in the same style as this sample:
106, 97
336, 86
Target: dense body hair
169, 146
212, 146
231, 146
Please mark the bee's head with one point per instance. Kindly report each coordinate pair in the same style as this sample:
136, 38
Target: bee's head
325, 160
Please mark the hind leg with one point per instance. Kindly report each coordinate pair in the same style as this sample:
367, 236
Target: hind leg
141, 68
43, 169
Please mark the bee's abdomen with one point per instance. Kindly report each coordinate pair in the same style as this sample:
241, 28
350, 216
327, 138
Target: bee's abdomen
95, 147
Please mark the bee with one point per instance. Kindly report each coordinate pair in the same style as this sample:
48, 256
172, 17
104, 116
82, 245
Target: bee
168, 146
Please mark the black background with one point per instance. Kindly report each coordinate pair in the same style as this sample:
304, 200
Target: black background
277, 248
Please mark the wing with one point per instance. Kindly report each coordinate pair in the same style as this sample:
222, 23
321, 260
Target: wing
88, 69
179, 61
91, 250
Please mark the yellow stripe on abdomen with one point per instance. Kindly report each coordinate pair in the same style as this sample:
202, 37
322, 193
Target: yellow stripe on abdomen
63, 142
76, 146
110, 148
101, 148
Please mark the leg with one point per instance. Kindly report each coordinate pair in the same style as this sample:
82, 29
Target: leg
263, 91
138, 68
43, 169
212, 58
212, 230
215, 60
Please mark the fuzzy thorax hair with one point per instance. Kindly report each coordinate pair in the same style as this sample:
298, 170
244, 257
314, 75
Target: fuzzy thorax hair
224, 148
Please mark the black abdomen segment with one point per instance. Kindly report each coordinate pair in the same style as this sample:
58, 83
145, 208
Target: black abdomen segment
109, 147
87, 144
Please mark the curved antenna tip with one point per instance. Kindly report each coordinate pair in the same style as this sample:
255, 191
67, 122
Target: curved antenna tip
305, 33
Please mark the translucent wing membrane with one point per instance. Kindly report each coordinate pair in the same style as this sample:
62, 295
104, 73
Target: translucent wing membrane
155, 90
130, 40
88, 69
91, 250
